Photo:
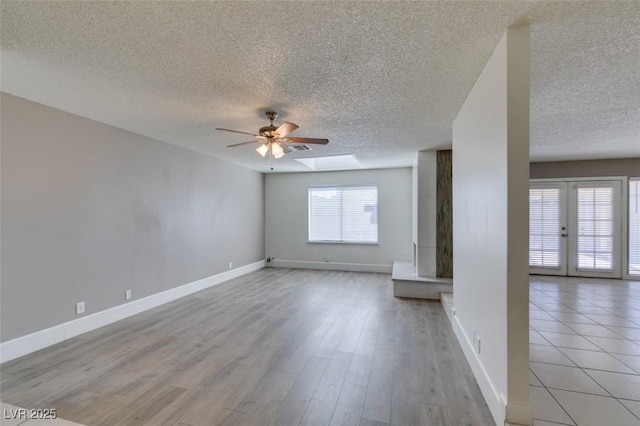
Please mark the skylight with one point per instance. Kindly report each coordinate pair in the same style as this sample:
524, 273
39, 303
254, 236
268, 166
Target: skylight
333, 162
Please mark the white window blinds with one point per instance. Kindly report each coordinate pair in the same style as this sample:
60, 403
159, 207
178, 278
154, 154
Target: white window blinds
595, 227
544, 227
346, 214
634, 226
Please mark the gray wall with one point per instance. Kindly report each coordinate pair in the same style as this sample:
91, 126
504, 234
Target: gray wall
286, 220
89, 210
585, 168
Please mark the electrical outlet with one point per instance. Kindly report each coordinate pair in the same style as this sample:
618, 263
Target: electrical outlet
230, 265
479, 344
79, 308
453, 311
326, 258
127, 294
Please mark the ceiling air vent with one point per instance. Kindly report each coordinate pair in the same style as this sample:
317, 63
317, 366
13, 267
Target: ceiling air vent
300, 147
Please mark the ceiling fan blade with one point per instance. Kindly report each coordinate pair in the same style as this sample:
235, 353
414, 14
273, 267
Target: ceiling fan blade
241, 143
236, 131
307, 140
285, 129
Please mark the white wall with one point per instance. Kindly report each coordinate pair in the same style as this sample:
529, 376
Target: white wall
426, 213
286, 221
490, 225
414, 209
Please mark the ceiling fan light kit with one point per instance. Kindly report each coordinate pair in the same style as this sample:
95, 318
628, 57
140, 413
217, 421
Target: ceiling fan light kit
274, 149
263, 149
277, 150
274, 140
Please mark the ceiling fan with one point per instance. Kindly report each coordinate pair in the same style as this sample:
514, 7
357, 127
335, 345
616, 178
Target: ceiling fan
274, 139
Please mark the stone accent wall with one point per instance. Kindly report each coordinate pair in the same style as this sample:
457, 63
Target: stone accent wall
444, 228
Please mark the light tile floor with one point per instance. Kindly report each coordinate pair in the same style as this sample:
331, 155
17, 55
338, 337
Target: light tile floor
584, 351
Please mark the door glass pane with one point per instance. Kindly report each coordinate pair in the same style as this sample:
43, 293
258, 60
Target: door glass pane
595, 228
544, 227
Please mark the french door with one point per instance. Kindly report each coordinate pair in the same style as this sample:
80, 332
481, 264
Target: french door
574, 228
548, 228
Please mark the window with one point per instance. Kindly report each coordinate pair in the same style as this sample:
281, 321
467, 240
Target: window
343, 214
634, 226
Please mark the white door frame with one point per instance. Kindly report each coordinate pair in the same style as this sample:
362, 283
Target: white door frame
572, 249
621, 247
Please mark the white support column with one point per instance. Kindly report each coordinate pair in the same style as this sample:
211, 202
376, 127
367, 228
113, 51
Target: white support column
490, 228
426, 213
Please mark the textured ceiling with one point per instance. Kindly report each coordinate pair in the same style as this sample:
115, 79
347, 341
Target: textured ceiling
379, 80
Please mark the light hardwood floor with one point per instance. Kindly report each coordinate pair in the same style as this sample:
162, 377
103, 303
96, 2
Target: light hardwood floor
275, 347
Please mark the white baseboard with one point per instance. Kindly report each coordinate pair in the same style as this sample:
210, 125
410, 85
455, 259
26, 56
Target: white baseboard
41, 339
332, 266
495, 401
